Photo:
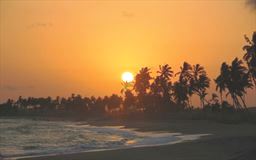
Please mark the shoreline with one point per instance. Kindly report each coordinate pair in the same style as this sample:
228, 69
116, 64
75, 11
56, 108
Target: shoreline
195, 138
164, 138
228, 141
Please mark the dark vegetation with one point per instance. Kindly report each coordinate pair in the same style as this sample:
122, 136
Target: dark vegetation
159, 96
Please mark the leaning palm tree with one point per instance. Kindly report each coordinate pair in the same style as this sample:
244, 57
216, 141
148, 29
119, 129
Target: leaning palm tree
185, 76
185, 72
181, 89
199, 82
235, 78
250, 56
240, 81
222, 80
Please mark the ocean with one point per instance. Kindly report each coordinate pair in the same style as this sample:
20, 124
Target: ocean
26, 137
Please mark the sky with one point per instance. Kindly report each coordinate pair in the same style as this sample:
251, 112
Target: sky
50, 48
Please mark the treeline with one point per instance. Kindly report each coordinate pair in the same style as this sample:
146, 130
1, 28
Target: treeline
159, 94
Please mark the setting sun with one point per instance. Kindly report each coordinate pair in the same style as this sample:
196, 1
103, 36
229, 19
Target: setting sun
112, 75
127, 77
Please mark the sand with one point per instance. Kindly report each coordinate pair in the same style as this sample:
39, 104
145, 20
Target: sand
227, 142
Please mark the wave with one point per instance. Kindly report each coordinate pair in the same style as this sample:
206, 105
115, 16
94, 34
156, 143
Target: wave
23, 138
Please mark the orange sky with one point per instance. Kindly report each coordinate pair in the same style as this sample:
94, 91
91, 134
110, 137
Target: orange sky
63, 47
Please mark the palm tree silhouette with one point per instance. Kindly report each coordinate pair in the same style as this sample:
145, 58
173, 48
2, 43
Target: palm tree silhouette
236, 79
185, 73
161, 87
214, 99
222, 80
181, 94
240, 81
129, 102
250, 56
165, 71
113, 103
199, 82
142, 84
126, 86
142, 80
185, 76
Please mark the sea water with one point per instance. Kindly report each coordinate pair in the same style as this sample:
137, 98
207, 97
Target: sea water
25, 137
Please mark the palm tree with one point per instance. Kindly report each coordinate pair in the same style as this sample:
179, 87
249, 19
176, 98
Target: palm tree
222, 80
156, 88
126, 86
129, 101
142, 81
156, 93
114, 102
165, 71
161, 87
236, 79
98, 105
197, 70
181, 94
199, 82
240, 81
182, 86
142, 85
214, 99
185, 73
250, 56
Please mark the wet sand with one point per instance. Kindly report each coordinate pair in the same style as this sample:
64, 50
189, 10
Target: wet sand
227, 142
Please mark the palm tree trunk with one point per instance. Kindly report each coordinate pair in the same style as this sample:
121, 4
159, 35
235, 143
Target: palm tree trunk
254, 81
251, 74
221, 98
243, 101
202, 101
189, 102
237, 102
233, 99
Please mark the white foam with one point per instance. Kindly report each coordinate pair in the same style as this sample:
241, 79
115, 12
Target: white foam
23, 138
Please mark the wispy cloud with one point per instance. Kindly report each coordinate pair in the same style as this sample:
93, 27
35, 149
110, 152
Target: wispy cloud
40, 25
251, 3
127, 14
15, 88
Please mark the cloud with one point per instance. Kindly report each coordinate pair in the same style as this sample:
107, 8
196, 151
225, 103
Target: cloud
251, 3
15, 88
127, 14
39, 25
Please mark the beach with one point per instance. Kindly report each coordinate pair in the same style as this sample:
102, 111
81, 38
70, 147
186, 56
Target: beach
224, 142
127, 80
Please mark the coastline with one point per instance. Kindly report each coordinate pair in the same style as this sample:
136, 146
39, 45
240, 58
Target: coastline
228, 141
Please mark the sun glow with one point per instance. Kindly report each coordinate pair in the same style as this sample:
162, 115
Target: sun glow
127, 77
